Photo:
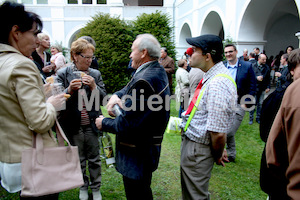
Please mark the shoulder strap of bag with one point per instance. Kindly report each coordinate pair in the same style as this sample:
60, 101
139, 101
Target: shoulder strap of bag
200, 97
38, 141
61, 137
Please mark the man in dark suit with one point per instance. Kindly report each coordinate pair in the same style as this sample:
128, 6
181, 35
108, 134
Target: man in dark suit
256, 50
262, 86
243, 74
252, 58
140, 126
245, 56
168, 63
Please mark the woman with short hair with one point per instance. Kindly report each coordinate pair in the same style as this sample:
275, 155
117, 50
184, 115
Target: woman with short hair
182, 88
57, 57
42, 57
78, 120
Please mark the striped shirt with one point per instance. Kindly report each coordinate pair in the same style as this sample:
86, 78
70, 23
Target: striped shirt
85, 120
216, 109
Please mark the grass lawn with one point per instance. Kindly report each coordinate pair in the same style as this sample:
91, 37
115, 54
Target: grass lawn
239, 180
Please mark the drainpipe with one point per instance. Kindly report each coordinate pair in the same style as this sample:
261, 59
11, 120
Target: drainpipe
174, 18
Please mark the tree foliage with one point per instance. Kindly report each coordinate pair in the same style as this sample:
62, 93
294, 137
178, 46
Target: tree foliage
113, 39
159, 25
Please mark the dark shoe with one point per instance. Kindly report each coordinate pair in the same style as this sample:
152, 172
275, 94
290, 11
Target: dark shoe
258, 121
231, 159
251, 122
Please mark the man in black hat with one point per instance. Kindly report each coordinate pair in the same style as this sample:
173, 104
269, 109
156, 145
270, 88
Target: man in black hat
204, 132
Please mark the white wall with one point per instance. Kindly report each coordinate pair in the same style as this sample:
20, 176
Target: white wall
250, 23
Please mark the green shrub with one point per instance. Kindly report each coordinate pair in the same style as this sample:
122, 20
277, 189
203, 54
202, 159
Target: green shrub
113, 39
159, 25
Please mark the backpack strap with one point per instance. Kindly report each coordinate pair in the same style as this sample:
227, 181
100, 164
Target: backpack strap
200, 97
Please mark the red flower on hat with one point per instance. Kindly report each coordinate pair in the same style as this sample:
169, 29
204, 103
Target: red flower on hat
189, 51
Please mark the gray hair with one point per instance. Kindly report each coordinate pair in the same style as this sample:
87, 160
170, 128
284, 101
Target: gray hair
150, 43
89, 39
58, 47
165, 49
41, 36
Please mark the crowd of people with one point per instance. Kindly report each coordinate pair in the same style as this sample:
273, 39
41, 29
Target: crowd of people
213, 93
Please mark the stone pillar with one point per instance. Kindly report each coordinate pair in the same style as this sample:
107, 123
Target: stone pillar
298, 36
57, 20
115, 2
115, 7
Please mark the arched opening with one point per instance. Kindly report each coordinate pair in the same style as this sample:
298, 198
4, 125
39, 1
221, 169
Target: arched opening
184, 33
73, 37
213, 25
270, 25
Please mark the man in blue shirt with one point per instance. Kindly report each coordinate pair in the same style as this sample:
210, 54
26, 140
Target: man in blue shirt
244, 76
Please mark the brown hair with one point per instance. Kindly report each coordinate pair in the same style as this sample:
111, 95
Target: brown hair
294, 59
79, 46
285, 56
230, 45
181, 62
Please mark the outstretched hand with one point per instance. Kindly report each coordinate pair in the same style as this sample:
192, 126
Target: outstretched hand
99, 122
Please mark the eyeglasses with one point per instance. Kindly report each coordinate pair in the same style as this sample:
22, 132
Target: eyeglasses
228, 52
87, 57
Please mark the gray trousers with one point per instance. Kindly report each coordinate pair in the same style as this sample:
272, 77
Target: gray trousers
196, 164
238, 118
88, 148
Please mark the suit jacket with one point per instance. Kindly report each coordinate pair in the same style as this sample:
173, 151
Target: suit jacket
265, 72
23, 108
169, 65
71, 117
139, 131
256, 71
245, 79
284, 81
252, 61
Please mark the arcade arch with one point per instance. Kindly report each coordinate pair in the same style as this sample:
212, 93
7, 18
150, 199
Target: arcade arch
270, 25
184, 33
213, 25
